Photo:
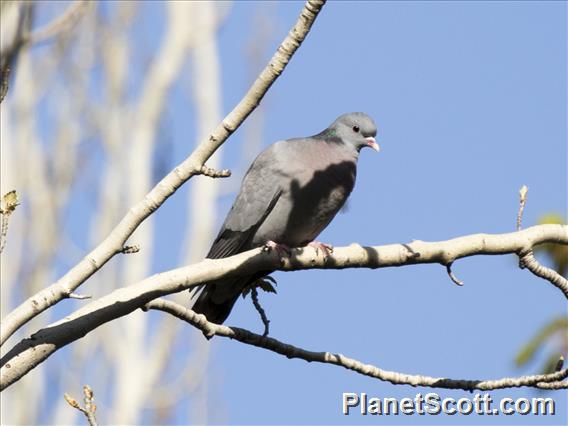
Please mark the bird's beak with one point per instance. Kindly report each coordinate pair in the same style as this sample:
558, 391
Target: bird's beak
371, 142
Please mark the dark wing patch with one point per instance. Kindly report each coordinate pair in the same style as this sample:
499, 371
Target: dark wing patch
260, 190
230, 242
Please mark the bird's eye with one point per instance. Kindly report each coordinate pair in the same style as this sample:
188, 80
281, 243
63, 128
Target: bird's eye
356, 129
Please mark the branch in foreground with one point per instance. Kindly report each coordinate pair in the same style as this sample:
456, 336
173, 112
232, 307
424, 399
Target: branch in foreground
193, 165
28, 353
244, 336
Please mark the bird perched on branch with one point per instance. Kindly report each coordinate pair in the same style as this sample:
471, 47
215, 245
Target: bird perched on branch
290, 193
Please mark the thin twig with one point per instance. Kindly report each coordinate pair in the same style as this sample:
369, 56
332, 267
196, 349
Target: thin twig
260, 310
553, 385
89, 409
8, 205
244, 336
559, 363
131, 249
452, 276
207, 171
522, 200
79, 296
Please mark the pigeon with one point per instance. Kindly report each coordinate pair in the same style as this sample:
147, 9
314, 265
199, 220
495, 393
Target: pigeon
290, 193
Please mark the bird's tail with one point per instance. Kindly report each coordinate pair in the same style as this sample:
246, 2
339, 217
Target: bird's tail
216, 299
215, 303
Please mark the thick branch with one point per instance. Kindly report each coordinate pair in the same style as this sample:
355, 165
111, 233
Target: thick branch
32, 351
289, 351
191, 166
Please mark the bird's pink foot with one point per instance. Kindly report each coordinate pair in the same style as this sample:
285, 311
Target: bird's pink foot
282, 249
326, 249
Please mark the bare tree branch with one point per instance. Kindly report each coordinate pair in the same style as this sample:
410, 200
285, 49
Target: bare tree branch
89, 409
553, 385
207, 171
130, 249
522, 201
63, 22
260, 310
527, 259
244, 336
191, 166
452, 276
32, 351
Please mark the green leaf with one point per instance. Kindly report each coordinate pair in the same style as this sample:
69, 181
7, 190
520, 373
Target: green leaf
549, 365
530, 349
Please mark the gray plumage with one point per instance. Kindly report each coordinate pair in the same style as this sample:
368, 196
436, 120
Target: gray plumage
291, 192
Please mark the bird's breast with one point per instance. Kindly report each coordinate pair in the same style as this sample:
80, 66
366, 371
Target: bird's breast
310, 199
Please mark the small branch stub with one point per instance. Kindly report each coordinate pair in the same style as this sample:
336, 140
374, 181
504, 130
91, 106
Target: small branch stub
79, 296
134, 248
208, 171
559, 364
452, 276
522, 201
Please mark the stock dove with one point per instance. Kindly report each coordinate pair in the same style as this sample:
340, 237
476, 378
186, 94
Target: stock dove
290, 193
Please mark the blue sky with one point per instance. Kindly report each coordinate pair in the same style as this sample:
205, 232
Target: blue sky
470, 102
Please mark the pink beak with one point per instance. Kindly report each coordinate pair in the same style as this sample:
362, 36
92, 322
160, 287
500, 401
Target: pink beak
371, 142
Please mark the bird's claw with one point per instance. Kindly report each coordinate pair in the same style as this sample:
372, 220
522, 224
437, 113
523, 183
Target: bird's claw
282, 249
326, 249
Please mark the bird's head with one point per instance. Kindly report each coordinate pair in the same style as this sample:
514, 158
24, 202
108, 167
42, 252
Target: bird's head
357, 129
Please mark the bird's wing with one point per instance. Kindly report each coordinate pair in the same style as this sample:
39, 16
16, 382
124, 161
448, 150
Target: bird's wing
233, 241
259, 193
